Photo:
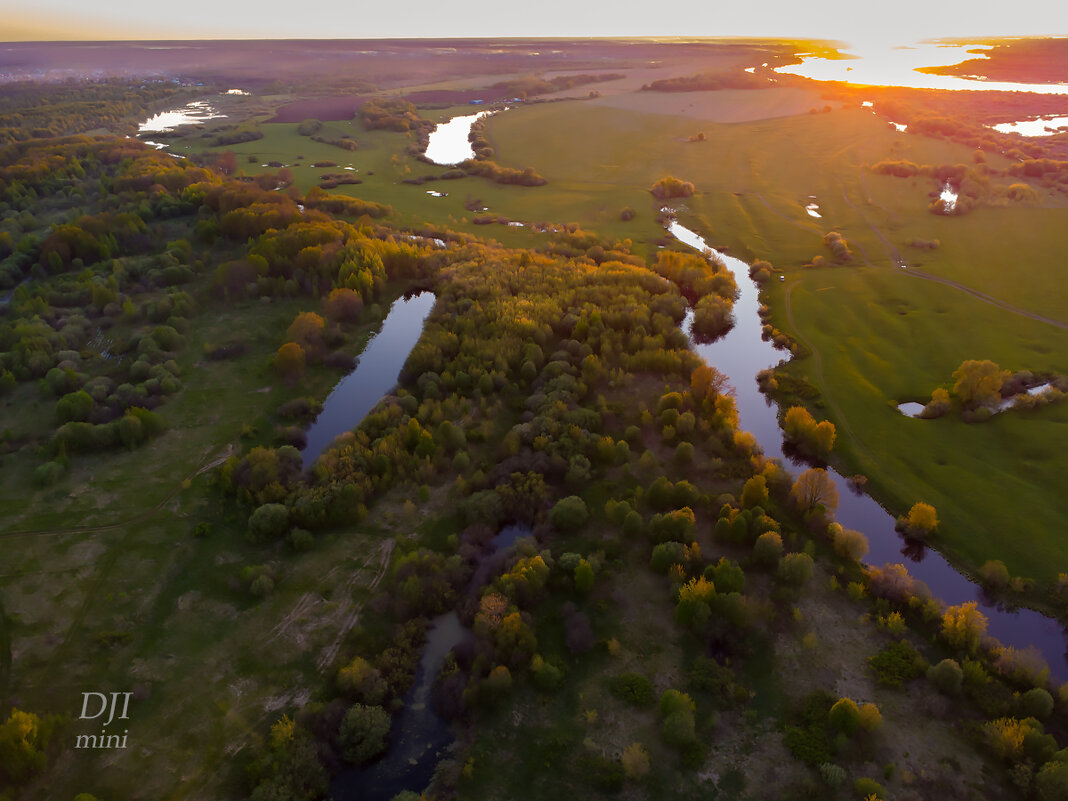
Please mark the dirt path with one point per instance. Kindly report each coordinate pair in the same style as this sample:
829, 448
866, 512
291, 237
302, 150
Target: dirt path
349, 611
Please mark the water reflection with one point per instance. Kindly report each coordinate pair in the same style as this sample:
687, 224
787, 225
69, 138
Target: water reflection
191, 113
896, 66
1040, 126
448, 144
380, 365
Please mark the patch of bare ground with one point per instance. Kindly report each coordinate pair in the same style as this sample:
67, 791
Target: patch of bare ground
919, 746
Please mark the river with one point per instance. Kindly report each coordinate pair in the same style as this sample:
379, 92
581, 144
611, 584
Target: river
419, 737
740, 355
896, 66
377, 372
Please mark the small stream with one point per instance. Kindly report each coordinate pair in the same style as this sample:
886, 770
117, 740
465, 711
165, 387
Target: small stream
419, 737
378, 370
740, 354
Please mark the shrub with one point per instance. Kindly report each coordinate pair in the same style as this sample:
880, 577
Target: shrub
269, 521
897, 663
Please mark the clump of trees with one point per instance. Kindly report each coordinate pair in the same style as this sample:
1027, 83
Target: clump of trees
838, 246
671, 187
802, 430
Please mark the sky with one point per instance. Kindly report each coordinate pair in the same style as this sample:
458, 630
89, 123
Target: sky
900, 22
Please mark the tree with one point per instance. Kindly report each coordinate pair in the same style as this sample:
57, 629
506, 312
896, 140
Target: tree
796, 569
978, 383
307, 330
1052, 781
268, 522
363, 733
768, 549
849, 544
755, 492
363, 681
569, 514
343, 304
963, 626
814, 491
1036, 703
290, 361
921, 521
844, 716
669, 187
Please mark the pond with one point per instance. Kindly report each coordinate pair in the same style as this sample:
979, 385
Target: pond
449, 144
377, 372
740, 355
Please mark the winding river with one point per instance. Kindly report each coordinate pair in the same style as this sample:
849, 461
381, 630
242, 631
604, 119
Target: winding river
741, 354
378, 370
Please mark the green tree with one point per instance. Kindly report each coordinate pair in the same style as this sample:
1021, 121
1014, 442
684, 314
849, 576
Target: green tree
946, 676
569, 514
844, 716
268, 522
363, 733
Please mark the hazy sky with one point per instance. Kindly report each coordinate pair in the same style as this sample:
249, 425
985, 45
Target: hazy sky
901, 21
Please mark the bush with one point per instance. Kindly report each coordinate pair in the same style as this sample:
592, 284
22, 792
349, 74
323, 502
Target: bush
946, 676
897, 663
